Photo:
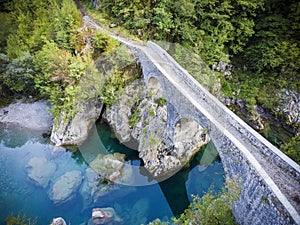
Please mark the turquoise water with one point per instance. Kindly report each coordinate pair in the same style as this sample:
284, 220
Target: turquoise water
137, 202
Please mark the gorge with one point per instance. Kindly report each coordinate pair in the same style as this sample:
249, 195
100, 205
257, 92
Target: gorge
181, 135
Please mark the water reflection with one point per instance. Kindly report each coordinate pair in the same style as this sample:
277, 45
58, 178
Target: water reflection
135, 204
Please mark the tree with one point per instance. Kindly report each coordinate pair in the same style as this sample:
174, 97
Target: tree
19, 74
212, 209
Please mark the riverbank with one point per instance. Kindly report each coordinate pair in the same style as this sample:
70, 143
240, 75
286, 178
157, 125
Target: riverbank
34, 116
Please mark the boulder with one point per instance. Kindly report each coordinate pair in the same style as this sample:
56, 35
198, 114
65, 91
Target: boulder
40, 170
74, 130
109, 167
104, 216
65, 187
34, 116
58, 221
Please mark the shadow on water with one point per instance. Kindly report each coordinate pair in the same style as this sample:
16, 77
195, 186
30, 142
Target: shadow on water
177, 189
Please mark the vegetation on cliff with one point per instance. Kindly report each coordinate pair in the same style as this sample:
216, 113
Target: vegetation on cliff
209, 209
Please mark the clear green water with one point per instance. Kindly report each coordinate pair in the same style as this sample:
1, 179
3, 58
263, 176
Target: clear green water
136, 203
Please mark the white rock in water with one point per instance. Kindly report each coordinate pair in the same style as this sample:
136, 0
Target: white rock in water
40, 170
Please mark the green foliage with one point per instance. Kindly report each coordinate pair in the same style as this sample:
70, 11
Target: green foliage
119, 69
292, 149
270, 61
158, 222
134, 118
212, 28
66, 22
103, 43
5, 30
35, 22
20, 220
211, 208
151, 112
59, 74
18, 74
161, 101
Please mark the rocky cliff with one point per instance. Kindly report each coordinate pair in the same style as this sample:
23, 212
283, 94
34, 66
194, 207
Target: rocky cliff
139, 119
75, 130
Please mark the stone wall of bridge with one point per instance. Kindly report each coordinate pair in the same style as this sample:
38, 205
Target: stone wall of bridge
260, 201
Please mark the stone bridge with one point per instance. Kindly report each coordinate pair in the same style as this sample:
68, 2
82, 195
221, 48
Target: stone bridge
270, 180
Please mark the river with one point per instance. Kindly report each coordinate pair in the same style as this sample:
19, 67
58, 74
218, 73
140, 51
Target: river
137, 202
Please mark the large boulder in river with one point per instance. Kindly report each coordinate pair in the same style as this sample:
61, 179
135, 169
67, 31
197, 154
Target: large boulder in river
65, 187
34, 116
40, 170
74, 130
111, 168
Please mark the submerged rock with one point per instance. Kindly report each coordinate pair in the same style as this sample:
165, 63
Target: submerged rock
65, 187
94, 191
74, 131
40, 170
111, 167
104, 216
34, 116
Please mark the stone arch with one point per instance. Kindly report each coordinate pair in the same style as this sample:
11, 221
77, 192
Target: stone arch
188, 138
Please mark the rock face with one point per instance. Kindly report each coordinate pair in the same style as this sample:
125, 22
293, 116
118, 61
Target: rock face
75, 131
40, 170
33, 116
140, 115
289, 107
120, 113
65, 187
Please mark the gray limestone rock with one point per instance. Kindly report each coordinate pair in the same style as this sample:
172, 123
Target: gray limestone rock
119, 114
141, 114
40, 170
289, 107
65, 187
75, 131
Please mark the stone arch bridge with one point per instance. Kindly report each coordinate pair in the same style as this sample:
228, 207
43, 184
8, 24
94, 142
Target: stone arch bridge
270, 180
